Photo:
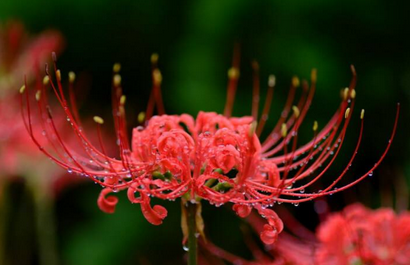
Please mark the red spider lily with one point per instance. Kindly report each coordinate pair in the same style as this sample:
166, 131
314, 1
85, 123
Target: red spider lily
214, 157
358, 235
20, 53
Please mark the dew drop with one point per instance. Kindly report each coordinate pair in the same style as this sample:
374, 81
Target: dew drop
185, 248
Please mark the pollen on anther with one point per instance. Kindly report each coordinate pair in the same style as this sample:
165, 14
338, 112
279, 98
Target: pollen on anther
141, 117
46, 80
98, 120
362, 114
347, 113
157, 76
353, 93
271, 81
123, 99
116, 68
22, 89
313, 75
71, 77
315, 126
38, 95
345, 93
117, 80
295, 81
284, 130
58, 75
296, 111
233, 73
154, 58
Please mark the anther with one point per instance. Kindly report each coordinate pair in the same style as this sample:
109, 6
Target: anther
154, 58
315, 126
295, 81
58, 75
345, 93
362, 114
116, 68
252, 128
347, 113
284, 130
117, 80
233, 73
22, 89
71, 77
313, 75
46, 80
122, 100
38, 95
98, 120
296, 111
271, 81
157, 77
353, 93
141, 117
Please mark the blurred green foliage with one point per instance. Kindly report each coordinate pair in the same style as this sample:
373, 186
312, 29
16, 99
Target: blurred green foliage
195, 41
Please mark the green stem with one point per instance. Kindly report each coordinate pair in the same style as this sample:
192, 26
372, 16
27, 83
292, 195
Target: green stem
192, 239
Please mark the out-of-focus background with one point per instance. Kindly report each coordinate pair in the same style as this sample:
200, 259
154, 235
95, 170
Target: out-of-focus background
195, 40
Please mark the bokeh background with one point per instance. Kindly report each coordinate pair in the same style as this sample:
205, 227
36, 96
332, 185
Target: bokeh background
195, 41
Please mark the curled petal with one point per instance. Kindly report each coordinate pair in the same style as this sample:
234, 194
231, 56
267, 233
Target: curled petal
242, 210
269, 235
107, 204
153, 215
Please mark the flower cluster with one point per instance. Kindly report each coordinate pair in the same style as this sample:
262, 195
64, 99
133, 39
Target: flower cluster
358, 235
213, 157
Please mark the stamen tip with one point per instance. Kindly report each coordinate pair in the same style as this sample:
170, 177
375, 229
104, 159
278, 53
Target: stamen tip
347, 112
123, 99
116, 68
353, 93
362, 114
296, 111
313, 75
98, 120
154, 58
141, 117
156, 74
58, 75
22, 89
46, 80
284, 130
117, 80
315, 126
271, 81
233, 73
345, 93
38, 95
71, 77
252, 128
295, 81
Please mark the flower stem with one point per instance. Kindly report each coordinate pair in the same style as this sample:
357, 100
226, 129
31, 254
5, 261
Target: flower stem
192, 239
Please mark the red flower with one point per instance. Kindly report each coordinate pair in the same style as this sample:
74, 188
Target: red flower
358, 235
213, 157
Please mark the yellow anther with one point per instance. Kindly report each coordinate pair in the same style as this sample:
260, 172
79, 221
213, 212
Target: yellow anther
141, 117
157, 76
116, 68
22, 89
313, 75
154, 58
46, 80
98, 120
353, 93
271, 81
252, 128
295, 81
71, 77
284, 130
233, 73
315, 126
58, 75
362, 114
38, 95
347, 113
296, 111
117, 80
345, 93
122, 100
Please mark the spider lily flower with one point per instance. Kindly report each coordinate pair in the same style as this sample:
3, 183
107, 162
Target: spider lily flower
213, 157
